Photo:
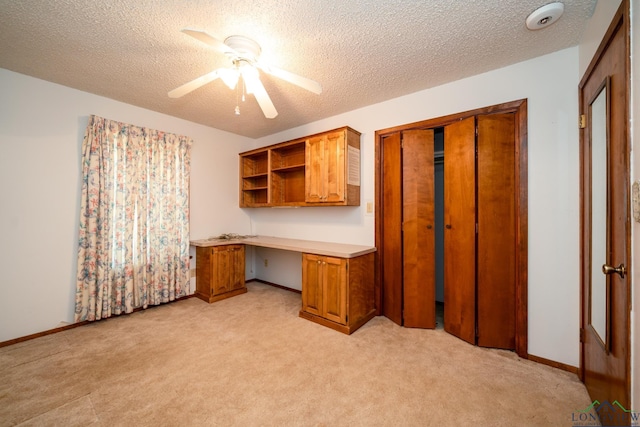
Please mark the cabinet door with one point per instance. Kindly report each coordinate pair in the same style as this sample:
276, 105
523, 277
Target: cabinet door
236, 273
314, 175
334, 289
334, 167
312, 284
222, 265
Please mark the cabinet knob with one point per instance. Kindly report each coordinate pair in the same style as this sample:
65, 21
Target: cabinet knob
448, 226
318, 261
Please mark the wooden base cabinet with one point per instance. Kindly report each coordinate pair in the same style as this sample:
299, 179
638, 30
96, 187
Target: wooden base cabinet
219, 272
338, 292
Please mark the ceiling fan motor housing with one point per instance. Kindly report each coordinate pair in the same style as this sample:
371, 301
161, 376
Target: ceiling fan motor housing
245, 48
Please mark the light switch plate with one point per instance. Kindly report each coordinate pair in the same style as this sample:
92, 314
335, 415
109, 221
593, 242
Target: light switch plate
635, 200
369, 208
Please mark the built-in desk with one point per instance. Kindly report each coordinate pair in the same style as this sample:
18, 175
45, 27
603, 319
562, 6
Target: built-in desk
337, 278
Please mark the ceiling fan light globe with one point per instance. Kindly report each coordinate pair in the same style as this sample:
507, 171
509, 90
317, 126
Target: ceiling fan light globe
230, 77
250, 75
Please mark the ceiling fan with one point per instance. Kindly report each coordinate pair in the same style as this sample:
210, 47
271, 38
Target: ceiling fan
244, 54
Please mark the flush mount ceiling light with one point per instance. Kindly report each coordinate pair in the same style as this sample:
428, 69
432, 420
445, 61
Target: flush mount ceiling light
244, 54
545, 16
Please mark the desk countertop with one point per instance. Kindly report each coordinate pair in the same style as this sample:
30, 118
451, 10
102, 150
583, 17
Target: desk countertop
340, 250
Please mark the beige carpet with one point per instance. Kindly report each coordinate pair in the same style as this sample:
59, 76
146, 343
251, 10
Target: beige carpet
251, 361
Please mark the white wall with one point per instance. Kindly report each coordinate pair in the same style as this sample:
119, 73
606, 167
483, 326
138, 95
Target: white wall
41, 130
39, 184
550, 83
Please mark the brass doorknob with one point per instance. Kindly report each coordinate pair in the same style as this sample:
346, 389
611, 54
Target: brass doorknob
621, 270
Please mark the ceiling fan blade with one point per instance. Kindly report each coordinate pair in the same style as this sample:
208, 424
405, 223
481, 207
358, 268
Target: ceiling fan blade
255, 86
209, 39
194, 84
303, 82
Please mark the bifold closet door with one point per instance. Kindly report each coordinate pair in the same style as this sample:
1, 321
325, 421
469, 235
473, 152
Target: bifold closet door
418, 213
408, 242
460, 229
480, 230
392, 228
496, 274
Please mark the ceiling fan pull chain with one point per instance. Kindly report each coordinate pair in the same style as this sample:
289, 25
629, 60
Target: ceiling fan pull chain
244, 89
237, 110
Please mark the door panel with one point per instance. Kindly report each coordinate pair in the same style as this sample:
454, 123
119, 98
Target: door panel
222, 268
312, 279
237, 267
334, 179
391, 214
314, 172
605, 312
334, 289
418, 228
460, 230
496, 245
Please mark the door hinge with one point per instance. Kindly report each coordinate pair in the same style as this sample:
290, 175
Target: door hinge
583, 121
582, 337
476, 228
346, 318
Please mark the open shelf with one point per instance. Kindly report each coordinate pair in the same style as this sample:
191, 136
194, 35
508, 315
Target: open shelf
287, 187
291, 155
255, 164
289, 168
254, 196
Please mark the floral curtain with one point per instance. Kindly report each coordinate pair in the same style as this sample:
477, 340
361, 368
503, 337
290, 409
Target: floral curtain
133, 246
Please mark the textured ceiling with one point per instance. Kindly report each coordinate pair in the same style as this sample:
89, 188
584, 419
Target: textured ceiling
361, 51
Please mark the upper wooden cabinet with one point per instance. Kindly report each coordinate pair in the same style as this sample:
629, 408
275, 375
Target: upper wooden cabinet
319, 170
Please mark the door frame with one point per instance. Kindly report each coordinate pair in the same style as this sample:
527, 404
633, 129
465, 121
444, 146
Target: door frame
518, 107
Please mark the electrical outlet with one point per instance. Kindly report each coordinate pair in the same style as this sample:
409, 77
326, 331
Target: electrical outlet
266, 262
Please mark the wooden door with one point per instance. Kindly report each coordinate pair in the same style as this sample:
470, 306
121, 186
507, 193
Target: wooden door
418, 235
222, 266
496, 235
237, 280
460, 229
605, 285
334, 167
314, 160
390, 213
312, 284
334, 289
